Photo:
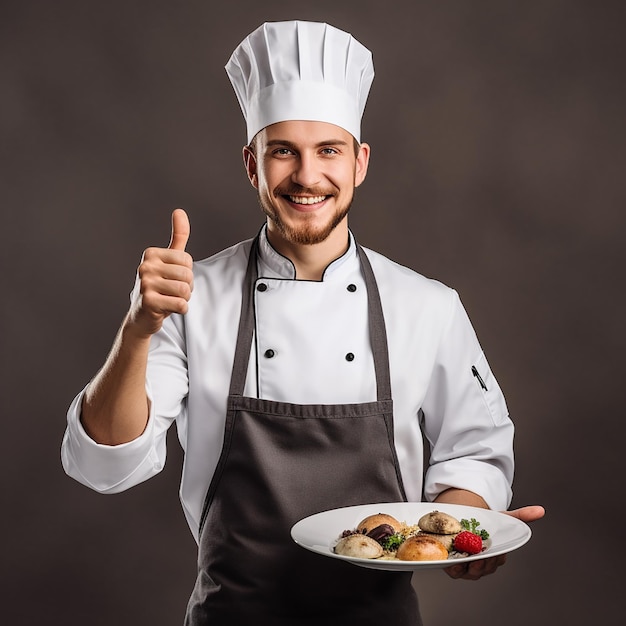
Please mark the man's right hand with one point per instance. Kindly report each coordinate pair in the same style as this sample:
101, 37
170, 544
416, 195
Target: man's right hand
115, 406
165, 281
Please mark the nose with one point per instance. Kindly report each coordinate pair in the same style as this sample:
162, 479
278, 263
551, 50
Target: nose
306, 172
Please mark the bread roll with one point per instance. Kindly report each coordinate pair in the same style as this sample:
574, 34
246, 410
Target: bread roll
422, 548
440, 523
372, 521
446, 540
359, 546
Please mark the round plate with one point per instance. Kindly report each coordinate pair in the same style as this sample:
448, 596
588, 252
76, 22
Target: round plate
320, 532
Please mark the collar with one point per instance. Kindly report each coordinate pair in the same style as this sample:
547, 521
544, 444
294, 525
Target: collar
272, 264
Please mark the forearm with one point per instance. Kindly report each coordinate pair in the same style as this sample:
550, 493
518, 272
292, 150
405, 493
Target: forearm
115, 407
461, 496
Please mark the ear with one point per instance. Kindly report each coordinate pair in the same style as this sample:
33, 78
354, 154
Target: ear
249, 161
362, 162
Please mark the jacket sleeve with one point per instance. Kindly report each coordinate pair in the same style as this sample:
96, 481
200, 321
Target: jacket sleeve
111, 469
466, 420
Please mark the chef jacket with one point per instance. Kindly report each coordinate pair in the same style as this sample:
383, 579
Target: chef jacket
311, 346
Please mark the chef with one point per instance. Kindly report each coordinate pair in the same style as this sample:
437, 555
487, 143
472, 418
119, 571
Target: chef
301, 369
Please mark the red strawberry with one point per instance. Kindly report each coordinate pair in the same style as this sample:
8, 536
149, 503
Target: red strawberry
468, 542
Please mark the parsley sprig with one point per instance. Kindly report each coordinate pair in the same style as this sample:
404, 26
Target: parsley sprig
392, 542
472, 525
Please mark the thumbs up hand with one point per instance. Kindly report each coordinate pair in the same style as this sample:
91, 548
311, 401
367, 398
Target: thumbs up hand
165, 280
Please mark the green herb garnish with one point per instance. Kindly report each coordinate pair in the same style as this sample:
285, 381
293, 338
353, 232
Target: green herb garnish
472, 525
392, 542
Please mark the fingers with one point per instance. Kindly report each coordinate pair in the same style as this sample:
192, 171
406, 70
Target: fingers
159, 275
484, 567
476, 569
167, 273
456, 571
158, 306
180, 230
527, 513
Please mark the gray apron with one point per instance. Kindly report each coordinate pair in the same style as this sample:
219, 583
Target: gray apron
281, 462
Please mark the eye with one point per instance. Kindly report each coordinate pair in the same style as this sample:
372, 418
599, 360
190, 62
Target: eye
282, 152
328, 150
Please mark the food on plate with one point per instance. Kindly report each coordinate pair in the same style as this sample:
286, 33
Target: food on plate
437, 536
470, 539
445, 540
467, 541
439, 523
382, 533
472, 525
359, 546
421, 548
378, 519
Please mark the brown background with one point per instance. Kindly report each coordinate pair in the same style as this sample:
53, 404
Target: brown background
497, 133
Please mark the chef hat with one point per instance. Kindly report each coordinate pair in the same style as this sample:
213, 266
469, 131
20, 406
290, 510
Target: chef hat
301, 71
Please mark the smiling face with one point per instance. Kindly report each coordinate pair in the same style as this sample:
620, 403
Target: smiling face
305, 174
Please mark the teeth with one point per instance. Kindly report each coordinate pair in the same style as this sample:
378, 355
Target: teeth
307, 199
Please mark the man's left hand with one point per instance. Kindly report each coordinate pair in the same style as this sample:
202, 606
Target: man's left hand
482, 567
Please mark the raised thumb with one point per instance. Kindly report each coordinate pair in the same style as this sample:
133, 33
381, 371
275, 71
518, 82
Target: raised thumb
180, 230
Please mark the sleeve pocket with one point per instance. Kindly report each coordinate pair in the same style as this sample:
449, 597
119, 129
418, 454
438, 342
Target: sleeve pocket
490, 390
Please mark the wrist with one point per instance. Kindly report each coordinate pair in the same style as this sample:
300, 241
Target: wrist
461, 496
135, 329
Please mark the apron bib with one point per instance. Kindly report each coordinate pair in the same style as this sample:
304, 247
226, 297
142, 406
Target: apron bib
281, 462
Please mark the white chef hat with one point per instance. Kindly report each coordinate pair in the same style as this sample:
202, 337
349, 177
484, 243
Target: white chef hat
301, 71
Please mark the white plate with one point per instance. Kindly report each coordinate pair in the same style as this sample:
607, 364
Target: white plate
320, 532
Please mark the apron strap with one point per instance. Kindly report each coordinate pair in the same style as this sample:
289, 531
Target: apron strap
377, 329
246, 325
376, 323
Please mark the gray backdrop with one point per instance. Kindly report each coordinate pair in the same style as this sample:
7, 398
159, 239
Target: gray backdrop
497, 167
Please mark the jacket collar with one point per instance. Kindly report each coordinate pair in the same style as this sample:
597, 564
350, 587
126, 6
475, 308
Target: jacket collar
272, 264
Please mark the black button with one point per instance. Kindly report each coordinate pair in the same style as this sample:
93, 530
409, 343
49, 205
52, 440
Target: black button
269, 353
349, 356
261, 287
351, 287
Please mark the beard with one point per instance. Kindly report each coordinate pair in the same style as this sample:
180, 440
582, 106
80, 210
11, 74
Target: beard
306, 232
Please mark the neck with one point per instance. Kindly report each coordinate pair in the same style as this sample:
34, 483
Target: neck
310, 260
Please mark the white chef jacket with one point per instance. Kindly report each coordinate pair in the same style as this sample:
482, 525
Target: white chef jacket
317, 335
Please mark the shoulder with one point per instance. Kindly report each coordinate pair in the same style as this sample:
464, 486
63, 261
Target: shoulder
232, 260
421, 313
399, 281
215, 277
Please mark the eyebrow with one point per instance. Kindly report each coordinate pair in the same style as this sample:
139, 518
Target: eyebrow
293, 146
